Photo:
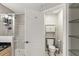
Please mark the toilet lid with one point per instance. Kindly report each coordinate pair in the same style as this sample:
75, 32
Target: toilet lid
50, 41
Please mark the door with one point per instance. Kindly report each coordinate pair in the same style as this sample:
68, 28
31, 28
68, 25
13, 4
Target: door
34, 33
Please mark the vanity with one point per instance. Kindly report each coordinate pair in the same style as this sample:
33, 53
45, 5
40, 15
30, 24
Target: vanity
6, 46
5, 49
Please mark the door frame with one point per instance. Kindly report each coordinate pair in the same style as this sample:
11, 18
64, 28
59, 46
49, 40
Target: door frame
65, 27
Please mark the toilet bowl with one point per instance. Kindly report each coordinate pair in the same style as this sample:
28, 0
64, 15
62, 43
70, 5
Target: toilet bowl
52, 50
51, 47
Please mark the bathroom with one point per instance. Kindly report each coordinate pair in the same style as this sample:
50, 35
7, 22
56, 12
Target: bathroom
53, 20
28, 27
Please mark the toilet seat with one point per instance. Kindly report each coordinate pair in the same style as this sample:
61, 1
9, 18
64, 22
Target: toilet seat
52, 48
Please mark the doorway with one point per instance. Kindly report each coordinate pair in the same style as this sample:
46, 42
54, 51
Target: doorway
54, 31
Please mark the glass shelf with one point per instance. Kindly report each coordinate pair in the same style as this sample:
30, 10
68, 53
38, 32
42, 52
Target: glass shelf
74, 21
74, 51
74, 36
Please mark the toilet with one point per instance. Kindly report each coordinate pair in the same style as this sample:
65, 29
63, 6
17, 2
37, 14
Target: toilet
51, 47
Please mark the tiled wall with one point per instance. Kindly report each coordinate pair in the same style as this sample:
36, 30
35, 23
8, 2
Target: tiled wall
19, 32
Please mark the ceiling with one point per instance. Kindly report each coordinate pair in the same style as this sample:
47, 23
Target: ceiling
20, 7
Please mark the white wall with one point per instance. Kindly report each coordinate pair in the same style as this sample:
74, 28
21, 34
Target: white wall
50, 19
60, 29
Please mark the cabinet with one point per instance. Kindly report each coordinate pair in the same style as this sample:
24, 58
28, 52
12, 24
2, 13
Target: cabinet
50, 31
74, 37
73, 30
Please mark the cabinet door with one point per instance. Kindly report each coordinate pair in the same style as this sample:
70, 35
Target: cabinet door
34, 33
